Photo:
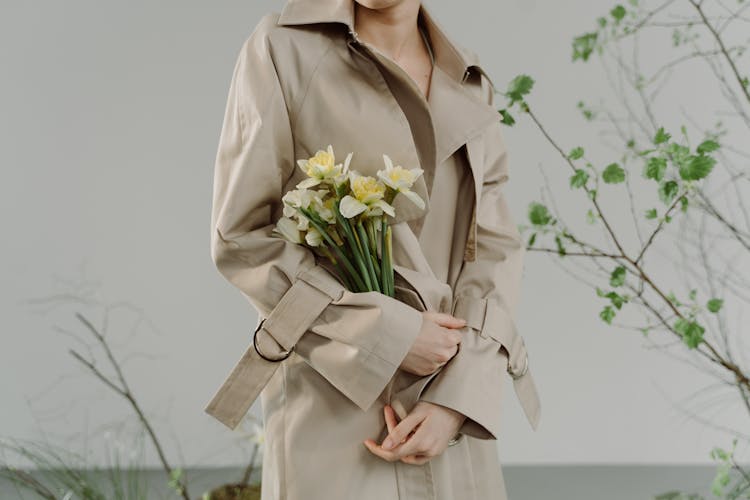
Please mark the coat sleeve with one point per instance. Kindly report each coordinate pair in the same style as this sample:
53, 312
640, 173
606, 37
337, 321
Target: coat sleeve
473, 381
360, 339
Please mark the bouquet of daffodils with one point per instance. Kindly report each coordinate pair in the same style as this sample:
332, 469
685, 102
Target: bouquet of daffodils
341, 215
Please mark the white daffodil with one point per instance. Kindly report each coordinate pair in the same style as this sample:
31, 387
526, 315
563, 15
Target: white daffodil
344, 175
296, 198
287, 228
367, 197
319, 168
401, 179
313, 237
323, 206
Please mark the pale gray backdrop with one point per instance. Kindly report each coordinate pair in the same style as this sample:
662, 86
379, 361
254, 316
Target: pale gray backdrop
110, 120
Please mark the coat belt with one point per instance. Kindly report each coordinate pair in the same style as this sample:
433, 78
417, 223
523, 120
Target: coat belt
492, 320
286, 323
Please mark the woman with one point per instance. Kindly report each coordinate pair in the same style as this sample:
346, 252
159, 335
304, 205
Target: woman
368, 396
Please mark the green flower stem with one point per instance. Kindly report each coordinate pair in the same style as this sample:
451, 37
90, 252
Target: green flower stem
339, 270
371, 236
389, 259
347, 263
360, 249
354, 246
368, 256
373, 240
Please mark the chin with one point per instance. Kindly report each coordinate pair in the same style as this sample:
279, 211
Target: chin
378, 4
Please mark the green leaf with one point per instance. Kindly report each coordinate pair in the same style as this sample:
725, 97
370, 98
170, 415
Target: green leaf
655, 168
590, 216
707, 146
617, 278
607, 314
579, 179
697, 167
560, 248
613, 174
661, 136
667, 191
684, 203
618, 12
531, 241
576, 153
519, 87
584, 45
691, 331
651, 213
616, 299
692, 294
507, 118
538, 214
714, 304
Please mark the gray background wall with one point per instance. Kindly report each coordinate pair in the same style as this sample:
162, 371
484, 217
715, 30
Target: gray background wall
111, 115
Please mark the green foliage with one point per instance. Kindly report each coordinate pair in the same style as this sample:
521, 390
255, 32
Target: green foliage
613, 174
607, 314
661, 136
697, 167
560, 247
584, 45
531, 241
579, 179
588, 113
714, 305
507, 118
576, 153
690, 330
720, 486
591, 216
655, 168
618, 13
707, 146
520, 86
617, 278
667, 191
651, 213
539, 215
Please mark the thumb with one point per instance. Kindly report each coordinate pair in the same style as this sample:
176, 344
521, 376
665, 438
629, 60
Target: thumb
449, 321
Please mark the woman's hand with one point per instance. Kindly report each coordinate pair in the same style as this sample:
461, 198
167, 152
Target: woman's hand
421, 435
435, 345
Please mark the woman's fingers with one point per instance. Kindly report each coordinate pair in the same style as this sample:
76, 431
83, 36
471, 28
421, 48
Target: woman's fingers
449, 321
390, 417
402, 430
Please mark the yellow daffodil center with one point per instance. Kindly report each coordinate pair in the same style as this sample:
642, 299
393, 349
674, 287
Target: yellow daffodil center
399, 174
320, 164
367, 188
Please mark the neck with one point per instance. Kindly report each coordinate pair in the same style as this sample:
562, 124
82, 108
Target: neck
392, 30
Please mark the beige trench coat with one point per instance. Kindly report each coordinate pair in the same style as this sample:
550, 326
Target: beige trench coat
325, 360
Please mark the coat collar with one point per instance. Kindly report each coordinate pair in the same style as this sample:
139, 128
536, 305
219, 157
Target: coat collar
452, 59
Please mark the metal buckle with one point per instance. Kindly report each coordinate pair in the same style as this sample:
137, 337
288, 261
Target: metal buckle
285, 354
523, 372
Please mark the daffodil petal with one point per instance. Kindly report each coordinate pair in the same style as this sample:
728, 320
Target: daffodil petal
386, 207
414, 197
308, 183
351, 207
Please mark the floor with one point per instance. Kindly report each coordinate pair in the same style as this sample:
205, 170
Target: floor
549, 482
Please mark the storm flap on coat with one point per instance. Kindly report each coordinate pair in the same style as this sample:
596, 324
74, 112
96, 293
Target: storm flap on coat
303, 80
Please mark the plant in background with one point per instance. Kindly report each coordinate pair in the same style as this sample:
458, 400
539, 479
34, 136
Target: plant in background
682, 188
62, 474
